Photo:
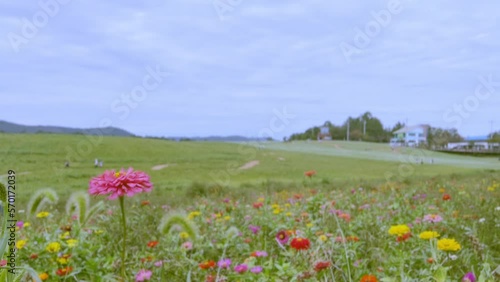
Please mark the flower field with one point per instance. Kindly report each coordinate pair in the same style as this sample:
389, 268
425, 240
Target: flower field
438, 229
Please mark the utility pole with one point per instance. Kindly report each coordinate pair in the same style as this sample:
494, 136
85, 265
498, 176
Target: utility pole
348, 125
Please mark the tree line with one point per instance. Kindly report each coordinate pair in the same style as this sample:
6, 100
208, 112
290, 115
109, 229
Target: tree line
369, 128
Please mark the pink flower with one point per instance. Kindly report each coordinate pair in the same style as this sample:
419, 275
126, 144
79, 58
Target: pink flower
256, 269
158, 263
143, 275
3, 262
225, 263
187, 246
118, 184
434, 218
241, 268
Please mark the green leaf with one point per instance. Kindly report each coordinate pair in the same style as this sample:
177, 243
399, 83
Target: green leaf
440, 274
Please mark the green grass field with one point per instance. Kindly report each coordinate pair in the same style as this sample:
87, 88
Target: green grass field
369, 214
38, 160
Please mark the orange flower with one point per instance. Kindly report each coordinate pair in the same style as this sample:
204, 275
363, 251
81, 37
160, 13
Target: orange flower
207, 264
368, 278
430, 260
152, 244
145, 203
446, 197
352, 238
64, 271
403, 237
300, 243
310, 173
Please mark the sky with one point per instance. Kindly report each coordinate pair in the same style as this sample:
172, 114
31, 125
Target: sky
254, 68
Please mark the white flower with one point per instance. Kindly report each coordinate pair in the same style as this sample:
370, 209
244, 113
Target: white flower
482, 220
497, 208
453, 257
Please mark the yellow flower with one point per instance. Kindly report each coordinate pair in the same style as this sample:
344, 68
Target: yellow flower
26, 224
448, 245
427, 235
277, 211
261, 199
184, 235
323, 238
288, 214
62, 260
20, 244
275, 206
72, 243
43, 276
53, 247
193, 214
399, 230
41, 215
309, 225
65, 235
98, 232
441, 190
227, 217
218, 215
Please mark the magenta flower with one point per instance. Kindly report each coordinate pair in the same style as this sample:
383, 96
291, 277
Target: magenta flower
118, 184
241, 268
143, 275
256, 269
225, 263
469, 277
187, 246
282, 237
254, 229
433, 218
20, 224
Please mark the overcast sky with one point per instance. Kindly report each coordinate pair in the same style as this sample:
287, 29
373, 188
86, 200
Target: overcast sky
222, 67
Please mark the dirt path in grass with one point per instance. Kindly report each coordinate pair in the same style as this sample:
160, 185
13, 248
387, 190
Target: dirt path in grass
249, 165
161, 166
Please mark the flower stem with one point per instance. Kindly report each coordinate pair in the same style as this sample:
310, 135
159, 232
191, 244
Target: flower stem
124, 223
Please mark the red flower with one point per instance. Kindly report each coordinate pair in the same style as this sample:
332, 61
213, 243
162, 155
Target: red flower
368, 278
149, 258
446, 197
321, 265
152, 244
404, 237
352, 238
33, 256
257, 205
64, 271
310, 173
120, 183
300, 243
207, 264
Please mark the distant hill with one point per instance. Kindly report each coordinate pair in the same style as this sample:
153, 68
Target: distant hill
231, 138
8, 127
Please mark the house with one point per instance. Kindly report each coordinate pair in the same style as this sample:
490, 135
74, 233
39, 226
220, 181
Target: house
324, 133
474, 143
411, 136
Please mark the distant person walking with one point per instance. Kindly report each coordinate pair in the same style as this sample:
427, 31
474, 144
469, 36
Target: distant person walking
96, 163
101, 163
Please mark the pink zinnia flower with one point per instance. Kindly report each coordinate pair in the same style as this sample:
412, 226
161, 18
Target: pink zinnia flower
256, 269
187, 246
143, 275
118, 184
225, 263
254, 229
434, 218
241, 268
282, 237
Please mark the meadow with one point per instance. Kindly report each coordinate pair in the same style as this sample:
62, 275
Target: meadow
306, 211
